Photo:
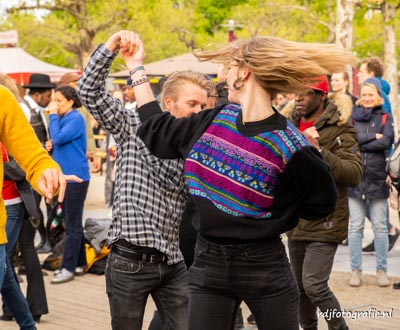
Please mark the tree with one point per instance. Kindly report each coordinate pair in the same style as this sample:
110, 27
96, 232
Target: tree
344, 30
391, 74
83, 20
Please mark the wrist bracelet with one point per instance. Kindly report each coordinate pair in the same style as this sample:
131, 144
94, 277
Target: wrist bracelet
140, 81
136, 69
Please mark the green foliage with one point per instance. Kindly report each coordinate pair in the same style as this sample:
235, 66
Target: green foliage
214, 13
173, 27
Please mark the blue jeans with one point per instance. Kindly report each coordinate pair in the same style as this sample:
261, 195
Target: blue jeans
222, 276
3, 263
10, 290
378, 211
74, 200
129, 283
15, 217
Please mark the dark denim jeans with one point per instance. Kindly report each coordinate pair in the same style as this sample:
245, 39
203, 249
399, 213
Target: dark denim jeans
10, 290
129, 284
222, 276
312, 265
74, 200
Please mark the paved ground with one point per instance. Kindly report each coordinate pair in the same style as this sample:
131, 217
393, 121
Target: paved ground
82, 303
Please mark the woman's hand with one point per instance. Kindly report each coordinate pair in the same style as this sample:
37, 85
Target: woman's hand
130, 45
53, 107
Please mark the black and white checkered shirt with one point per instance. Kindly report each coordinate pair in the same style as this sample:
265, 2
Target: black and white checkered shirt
150, 193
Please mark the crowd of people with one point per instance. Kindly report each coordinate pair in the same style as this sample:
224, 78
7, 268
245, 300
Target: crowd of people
206, 183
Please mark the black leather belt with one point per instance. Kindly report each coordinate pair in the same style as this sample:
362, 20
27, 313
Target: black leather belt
139, 256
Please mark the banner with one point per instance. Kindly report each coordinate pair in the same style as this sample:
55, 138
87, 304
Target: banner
9, 37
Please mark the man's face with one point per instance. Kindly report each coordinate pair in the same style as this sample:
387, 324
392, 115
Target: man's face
363, 73
43, 99
191, 98
308, 104
129, 94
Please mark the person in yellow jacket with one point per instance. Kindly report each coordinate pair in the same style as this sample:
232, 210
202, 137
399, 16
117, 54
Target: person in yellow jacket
42, 172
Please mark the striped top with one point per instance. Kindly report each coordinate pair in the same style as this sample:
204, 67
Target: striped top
238, 174
249, 182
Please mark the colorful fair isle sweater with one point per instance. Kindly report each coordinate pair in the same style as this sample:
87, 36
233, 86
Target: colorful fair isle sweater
249, 182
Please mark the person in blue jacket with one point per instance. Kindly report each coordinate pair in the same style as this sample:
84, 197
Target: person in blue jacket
68, 134
375, 135
373, 67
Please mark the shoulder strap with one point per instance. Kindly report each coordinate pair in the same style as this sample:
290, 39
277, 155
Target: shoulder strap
384, 117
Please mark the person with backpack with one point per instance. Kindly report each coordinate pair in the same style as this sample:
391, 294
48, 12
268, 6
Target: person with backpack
373, 67
375, 136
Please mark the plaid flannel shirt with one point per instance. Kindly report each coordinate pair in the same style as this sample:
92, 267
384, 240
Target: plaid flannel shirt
150, 193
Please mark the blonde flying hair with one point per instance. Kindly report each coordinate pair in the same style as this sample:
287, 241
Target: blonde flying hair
281, 65
177, 79
9, 83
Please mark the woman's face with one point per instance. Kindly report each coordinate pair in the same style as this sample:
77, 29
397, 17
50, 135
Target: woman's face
64, 105
369, 97
338, 83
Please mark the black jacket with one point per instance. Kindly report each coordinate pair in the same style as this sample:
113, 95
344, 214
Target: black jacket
13, 172
368, 122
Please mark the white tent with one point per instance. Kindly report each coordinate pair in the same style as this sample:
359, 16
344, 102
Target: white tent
19, 65
177, 63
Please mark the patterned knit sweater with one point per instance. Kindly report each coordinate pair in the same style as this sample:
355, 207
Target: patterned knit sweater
248, 182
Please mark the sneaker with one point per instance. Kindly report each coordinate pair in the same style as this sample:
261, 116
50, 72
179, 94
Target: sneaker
381, 278
62, 276
370, 248
79, 271
393, 238
355, 279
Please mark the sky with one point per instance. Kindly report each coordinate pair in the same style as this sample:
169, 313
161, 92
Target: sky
4, 4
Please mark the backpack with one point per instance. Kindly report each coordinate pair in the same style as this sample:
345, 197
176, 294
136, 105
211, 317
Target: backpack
393, 165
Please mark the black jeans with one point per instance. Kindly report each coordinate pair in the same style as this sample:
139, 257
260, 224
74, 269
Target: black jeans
312, 265
222, 276
130, 282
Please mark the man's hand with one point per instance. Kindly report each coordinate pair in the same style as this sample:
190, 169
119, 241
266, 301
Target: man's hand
48, 145
312, 136
52, 180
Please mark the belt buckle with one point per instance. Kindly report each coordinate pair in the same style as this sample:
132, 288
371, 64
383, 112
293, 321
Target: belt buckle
156, 259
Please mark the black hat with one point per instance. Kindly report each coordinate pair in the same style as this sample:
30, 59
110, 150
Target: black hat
39, 81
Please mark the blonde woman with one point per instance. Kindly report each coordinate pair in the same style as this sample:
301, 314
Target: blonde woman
251, 175
340, 84
375, 135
